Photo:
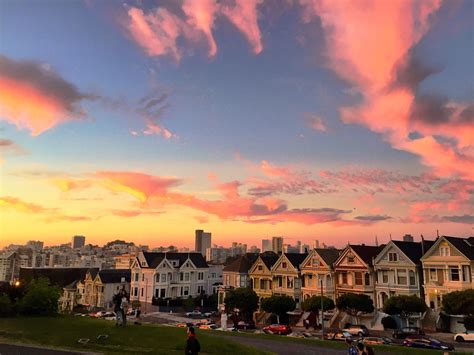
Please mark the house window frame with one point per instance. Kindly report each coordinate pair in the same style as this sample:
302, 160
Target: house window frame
451, 269
358, 278
435, 273
393, 257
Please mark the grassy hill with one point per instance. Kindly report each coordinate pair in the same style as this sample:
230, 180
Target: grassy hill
64, 332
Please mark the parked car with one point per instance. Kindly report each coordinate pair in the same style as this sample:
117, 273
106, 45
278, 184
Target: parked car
336, 334
357, 329
210, 314
245, 325
407, 331
281, 329
466, 336
185, 325
207, 326
424, 342
377, 341
194, 313
108, 315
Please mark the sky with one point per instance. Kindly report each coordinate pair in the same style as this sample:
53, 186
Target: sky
310, 119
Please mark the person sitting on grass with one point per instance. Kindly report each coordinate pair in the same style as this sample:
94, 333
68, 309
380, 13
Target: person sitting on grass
192, 344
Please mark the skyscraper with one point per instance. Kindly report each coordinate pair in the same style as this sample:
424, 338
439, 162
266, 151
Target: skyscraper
277, 244
78, 241
266, 245
202, 241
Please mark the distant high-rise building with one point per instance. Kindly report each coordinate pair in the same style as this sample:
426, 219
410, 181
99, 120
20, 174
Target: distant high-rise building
277, 245
315, 244
202, 241
78, 241
304, 249
266, 245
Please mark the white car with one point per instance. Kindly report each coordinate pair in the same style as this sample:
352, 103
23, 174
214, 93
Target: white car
466, 336
194, 313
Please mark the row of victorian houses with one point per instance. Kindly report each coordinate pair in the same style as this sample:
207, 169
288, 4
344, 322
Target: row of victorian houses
427, 269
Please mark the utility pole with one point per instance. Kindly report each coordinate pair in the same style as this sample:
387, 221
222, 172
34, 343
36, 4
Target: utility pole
322, 310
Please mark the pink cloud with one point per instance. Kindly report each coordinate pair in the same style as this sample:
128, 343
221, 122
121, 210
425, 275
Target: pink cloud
153, 128
201, 16
315, 122
368, 43
244, 16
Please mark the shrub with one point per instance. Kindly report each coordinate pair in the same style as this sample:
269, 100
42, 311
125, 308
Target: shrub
389, 323
469, 323
6, 306
40, 298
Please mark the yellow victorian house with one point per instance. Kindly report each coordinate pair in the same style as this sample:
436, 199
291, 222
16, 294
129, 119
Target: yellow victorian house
261, 274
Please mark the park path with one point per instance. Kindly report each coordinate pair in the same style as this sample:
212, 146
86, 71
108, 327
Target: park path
20, 349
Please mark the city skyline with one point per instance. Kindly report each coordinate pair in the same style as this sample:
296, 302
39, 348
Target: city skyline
144, 121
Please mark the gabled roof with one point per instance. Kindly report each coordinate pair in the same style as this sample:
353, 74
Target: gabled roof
328, 255
464, 245
413, 250
60, 276
242, 264
112, 276
296, 259
154, 259
366, 252
269, 258
93, 272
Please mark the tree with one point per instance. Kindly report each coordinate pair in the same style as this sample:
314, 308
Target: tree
355, 304
41, 298
313, 304
404, 306
279, 305
469, 323
459, 302
244, 299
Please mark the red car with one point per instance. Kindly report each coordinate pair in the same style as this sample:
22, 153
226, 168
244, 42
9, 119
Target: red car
278, 329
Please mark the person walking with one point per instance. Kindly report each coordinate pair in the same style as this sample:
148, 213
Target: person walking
192, 344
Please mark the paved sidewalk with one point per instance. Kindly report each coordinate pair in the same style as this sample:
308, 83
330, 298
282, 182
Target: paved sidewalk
19, 349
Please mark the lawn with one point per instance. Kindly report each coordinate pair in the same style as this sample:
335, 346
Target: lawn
65, 331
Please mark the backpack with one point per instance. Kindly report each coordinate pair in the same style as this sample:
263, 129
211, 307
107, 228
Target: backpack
352, 350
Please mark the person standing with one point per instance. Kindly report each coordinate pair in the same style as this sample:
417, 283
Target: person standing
352, 350
192, 344
124, 307
117, 300
364, 350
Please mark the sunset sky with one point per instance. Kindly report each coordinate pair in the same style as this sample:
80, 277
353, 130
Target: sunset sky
312, 119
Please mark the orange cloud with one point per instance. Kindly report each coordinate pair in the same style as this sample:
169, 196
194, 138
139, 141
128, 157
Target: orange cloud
36, 98
244, 16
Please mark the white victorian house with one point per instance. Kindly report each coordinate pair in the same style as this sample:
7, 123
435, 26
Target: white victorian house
399, 271
168, 275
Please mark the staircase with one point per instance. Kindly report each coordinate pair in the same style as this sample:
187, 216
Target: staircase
336, 319
429, 319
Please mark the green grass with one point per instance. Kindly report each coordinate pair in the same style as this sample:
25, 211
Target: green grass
65, 331
379, 349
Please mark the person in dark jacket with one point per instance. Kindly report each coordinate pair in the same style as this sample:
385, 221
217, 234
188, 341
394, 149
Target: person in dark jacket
117, 300
192, 344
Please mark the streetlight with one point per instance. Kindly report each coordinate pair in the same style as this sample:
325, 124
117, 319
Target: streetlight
17, 283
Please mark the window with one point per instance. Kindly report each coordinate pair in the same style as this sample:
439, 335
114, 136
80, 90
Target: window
289, 282
163, 277
186, 276
262, 284
157, 292
136, 277
444, 251
200, 276
200, 289
213, 275
157, 278
280, 281
243, 282
143, 277
227, 280
358, 278
454, 273
186, 291
367, 279
465, 273
142, 291
260, 268
283, 265
401, 277
393, 257
135, 291
384, 274
412, 278
163, 293
315, 262
344, 278
350, 259
433, 275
